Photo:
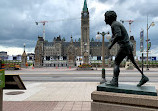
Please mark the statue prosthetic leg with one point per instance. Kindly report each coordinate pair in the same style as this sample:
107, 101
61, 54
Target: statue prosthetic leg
144, 78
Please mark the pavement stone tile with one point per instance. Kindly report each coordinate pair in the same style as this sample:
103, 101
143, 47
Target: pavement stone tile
12, 106
77, 106
28, 106
86, 106
60, 106
67, 108
32, 89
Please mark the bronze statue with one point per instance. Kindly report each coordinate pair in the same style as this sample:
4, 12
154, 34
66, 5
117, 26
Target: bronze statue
120, 35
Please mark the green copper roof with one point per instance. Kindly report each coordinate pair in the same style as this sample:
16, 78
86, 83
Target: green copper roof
85, 9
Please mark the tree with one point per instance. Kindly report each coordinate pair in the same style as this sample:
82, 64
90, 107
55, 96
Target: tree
92, 40
63, 39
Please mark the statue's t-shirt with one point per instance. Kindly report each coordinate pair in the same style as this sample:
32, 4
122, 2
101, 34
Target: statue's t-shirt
118, 30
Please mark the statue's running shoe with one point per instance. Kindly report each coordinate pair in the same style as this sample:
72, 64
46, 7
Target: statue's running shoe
143, 80
113, 82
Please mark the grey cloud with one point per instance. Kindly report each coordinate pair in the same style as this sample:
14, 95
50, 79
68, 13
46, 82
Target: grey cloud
19, 16
111, 1
146, 8
121, 1
92, 11
102, 1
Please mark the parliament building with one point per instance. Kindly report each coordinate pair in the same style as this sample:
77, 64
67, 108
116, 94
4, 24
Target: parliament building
60, 53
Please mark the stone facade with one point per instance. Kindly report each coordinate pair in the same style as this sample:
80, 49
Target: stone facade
3, 55
39, 52
23, 60
59, 53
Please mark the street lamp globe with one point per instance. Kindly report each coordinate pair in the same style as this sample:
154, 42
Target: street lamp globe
98, 36
152, 24
108, 36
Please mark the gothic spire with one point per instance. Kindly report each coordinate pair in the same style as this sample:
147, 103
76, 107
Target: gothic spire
24, 47
85, 9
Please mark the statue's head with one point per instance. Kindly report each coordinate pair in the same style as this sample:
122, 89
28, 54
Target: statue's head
110, 16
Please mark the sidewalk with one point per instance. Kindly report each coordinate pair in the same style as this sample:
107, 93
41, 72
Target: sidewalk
50, 96
53, 91
53, 96
46, 106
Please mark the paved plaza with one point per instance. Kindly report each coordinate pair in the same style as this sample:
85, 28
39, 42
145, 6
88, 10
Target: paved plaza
53, 96
53, 91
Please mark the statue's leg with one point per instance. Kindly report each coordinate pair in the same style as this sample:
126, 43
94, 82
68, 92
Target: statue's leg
144, 78
116, 71
134, 63
119, 57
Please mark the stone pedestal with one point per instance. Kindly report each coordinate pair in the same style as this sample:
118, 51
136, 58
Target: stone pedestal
128, 89
113, 101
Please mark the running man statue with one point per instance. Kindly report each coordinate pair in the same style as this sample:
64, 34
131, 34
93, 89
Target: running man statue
120, 35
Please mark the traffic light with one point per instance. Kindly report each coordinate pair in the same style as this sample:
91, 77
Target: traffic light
149, 45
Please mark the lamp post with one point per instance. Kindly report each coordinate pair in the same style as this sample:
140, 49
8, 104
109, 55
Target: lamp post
103, 53
152, 24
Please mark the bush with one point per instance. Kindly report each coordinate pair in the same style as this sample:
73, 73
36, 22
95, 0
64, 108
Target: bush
85, 66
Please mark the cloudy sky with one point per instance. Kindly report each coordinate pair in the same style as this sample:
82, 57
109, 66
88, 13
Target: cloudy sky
18, 17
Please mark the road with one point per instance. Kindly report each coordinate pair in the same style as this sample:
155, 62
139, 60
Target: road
72, 75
